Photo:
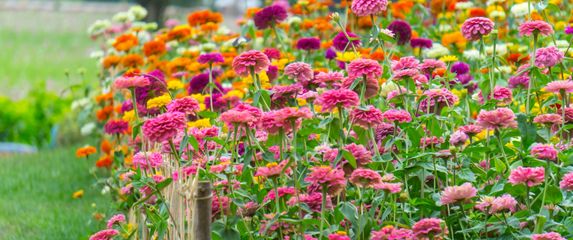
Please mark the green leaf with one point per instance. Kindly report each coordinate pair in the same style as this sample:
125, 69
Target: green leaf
527, 130
349, 157
553, 195
499, 166
349, 211
164, 183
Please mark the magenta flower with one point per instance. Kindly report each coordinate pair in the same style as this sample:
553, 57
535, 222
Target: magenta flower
402, 31
535, 27
270, 16
498, 118
116, 219
436, 99
559, 86
455, 194
548, 57
397, 115
325, 176
342, 43
131, 82
429, 227
567, 182
210, 58
475, 28
365, 178
421, 43
300, 71
364, 68
308, 44
145, 159
338, 98
116, 126
248, 61
164, 127
106, 234
389, 232
313, 200
366, 117
368, 7
528, 176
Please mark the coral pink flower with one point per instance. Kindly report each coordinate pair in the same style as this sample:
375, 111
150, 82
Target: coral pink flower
365, 178
535, 27
498, 118
368, 7
131, 82
389, 187
549, 119
429, 227
567, 182
300, 71
474, 28
235, 117
329, 77
471, 129
544, 152
405, 63
325, 176
146, 159
116, 219
360, 153
436, 99
313, 200
391, 233
558, 86
547, 236
366, 117
164, 127
338, 236
248, 61
528, 176
187, 105
364, 68
272, 169
397, 115
283, 191
106, 234
338, 98
548, 57
503, 204
455, 194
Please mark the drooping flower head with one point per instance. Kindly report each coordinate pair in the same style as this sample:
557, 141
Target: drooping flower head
474, 28
535, 27
250, 60
498, 118
338, 98
530, 176
270, 16
164, 126
368, 7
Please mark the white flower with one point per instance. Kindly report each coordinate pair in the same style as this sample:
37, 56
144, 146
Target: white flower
387, 32
294, 20
497, 14
436, 51
80, 103
492, 2
520, 10
98, 27
500, 49
138, 12
503, 69
208, 47
87, 129
123, 17
96, 54
387, 87
223, 30
472, 54
464, 5
444, 27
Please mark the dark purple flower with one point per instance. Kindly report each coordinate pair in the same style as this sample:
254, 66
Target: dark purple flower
272, 72
308, 44
116, 126
210, 58
126, 106
518, 81
272, 53
569, 30
464, 78
421, 43
340, 41
269, 16
330, 54
401, 30
341, 64
199, 82
460, 68
218, 102
157, 87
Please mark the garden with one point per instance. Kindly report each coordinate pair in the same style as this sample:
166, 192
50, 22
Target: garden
308, 119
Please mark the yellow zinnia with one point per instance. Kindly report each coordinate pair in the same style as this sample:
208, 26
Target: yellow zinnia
158, 101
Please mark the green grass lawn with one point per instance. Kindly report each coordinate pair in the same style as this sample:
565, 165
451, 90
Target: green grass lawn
36, 196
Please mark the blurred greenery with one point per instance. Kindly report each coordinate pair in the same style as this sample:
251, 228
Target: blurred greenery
36, 200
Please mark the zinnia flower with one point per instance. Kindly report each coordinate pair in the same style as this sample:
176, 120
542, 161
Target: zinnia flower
300, 71
364, 67
366, 117
368, 7
164, 127
325, 176
397, 115
567, 182
455, 194
248, 61
421, 43
270, 16
116, 126
547, 236
272, 170
118, 218
559, 86
535, 27
474, 28
342, 43
308, 44
498, 118
187, 105
548, 57
364, 178
503, 204
528, 176
402, 31
544, 152
106, 234
548, 119
131, 82
341, 98
429, 227
210, 58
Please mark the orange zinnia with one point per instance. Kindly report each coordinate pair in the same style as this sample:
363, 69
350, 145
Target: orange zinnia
85, 151
154, 48
125, 42
203, 17
111, 61
104, 161
132, 61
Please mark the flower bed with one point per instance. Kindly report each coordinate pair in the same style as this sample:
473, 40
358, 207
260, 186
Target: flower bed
370, 120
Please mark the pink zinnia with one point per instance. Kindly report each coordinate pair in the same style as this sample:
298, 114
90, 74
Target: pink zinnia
325, 176
329, 77
300, 71
429, 65
146, 159
366, 117
364, 67
272, 169
567, 182
389, 187
165, 126
474, 28
359, 152
368, 7
391, 233
547, 236
549, 119
498, 118
528, 176
501, 94
455, 194
544, 152
118, 218
364, 178
405, 63
338, 236
341, 98
248, 61
313, 200
548, 57
436, 99
187, 105
458, 138
429, 226
106, 234
397, 115
235, 117
471, 129
558, 86
131, 82
535, 27
503, 204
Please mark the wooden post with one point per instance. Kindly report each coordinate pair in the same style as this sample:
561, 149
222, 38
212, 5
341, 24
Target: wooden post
202, 215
